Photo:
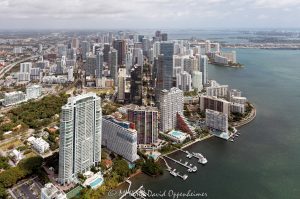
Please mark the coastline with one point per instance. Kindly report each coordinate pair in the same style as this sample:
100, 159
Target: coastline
191, 143
246, 120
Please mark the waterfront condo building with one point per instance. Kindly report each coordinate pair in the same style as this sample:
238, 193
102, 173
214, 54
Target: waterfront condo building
120, 137
203, 68
170, 103
214, 103
146, 123
80, 136
216, 120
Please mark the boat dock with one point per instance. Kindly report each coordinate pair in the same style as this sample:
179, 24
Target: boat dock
140, 193
200, 157
173, 172
190, 167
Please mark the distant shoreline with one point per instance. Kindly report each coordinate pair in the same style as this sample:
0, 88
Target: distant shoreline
262, 48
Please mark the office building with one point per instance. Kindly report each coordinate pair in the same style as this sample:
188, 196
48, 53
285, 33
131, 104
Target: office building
216, 120
106, 50
90, 65
80, 136
85, 49
121, 84
136, 84
146, 123
138, 57
120, 46
165, 67
120, 137
99, 64
113, 65
164, 37
170, 104
128, 62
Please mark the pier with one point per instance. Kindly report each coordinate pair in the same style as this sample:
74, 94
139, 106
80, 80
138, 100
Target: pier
140, 193
173, 172
190, 167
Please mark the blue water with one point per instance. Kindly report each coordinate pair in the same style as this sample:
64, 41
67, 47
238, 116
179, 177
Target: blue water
264, 161
96, 182
177, 134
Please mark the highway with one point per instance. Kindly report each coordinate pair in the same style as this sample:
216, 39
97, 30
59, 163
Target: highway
7, 68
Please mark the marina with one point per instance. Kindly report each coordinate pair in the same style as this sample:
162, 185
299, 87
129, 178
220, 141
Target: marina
173, 172
190, 167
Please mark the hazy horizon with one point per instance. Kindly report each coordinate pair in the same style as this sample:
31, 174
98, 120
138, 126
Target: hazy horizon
146, 14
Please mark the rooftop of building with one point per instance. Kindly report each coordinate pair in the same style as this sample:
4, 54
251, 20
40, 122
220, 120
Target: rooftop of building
121, 123
51, 191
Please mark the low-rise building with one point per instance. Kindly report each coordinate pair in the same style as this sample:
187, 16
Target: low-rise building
49, 191
13, 98
39, 144
33, 92
237, 108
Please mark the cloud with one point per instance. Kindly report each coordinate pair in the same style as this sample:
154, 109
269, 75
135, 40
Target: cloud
144, 13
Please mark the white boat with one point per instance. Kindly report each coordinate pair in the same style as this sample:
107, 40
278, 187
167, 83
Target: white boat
189, 155
202, 160
231, 140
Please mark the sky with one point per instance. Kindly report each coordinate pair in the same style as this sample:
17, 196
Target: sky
143, 14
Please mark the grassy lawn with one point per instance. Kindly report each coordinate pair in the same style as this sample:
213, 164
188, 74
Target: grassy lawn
12, 144
31, 154
101, 91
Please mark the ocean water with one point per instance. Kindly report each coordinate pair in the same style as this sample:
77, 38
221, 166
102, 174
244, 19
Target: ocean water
264, 161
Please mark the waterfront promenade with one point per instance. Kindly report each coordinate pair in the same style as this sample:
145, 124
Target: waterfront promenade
246, 120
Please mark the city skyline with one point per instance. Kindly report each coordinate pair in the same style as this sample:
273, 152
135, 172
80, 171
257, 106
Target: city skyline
91, 14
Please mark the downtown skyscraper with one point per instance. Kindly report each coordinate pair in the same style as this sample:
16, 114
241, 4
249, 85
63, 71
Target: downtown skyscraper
165, 67
80, 136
